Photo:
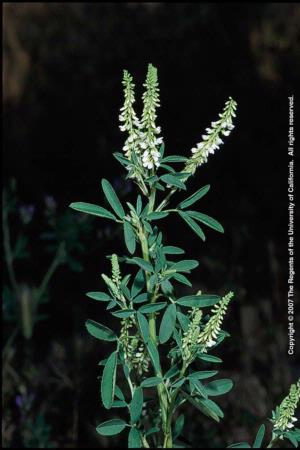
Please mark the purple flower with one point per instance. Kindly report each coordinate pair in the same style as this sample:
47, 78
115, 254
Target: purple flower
26, 213
19, 401
50, 203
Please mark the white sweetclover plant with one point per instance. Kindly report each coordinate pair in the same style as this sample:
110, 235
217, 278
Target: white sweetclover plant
164, 343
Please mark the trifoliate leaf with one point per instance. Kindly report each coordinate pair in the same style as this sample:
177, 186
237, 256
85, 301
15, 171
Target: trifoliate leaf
145, 265
94, 210
108, 381
152, 307
112, 198
100, 296
151, 382
218, 387
198, 301
134, 438
194, 197
111, 427
129, 237
144, 326
259, 437
173, 181
138, 283
136, 405
207, 220
167, 324
185, 265
194, 226
100, 331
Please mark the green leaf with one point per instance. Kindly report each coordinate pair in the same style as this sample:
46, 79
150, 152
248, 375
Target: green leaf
207, 220
152, 307
153, 353
144, 326
134, 438
145, 265
136, 405
172, 372
212, 406
100, 296
112, 198
203, 374
293, 437
259, 437
156, 215
108, 381
111, 427
129, 237
99, 331
173, 181
202, 406
209, 358
183, 320
194, 226
219, 387
181, 279
174, 158
139, 205
178, 427
168, 168
199, 387
152, 431
198, 301
138, 283
119, 404
123, 313
194, 197
119, 157
119, 394
95, 210
150, 382
167, 324
166, 287
240, 445
185, 265
141, 298
171, 250
178, 383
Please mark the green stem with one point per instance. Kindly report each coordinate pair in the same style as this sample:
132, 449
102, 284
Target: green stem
8, 252
166, 200
161, 388
168, 437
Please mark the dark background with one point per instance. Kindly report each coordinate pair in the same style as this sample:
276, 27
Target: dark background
63, 67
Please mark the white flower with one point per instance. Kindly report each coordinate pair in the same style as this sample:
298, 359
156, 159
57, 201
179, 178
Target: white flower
226, 132
122, 127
